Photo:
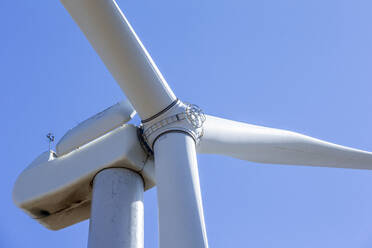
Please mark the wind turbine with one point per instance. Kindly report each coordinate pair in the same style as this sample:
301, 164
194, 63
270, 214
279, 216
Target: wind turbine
56, 187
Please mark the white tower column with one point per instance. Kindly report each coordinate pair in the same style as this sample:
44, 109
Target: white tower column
117, 214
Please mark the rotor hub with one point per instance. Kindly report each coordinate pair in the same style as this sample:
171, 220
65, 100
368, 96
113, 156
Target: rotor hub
181, 117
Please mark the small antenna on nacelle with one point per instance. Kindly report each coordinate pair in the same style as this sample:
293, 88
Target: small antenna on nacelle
51, 138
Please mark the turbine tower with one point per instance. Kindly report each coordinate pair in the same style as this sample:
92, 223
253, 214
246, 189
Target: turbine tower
101, 167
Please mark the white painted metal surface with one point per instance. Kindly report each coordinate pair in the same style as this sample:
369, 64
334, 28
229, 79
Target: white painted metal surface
117, 217
95, 127
175, 118
124, 55
275, 146
181, 219
57, 190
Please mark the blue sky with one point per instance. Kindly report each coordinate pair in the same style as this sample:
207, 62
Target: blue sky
298, 65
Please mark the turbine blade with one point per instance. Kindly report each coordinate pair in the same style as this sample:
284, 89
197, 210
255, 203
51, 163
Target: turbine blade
275, 146
115, 41
181, 219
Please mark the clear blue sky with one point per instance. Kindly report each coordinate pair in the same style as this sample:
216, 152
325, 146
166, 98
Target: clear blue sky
300, 65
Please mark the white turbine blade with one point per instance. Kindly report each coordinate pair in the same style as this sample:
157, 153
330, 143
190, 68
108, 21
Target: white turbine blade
126, 58
275, 146
181, 220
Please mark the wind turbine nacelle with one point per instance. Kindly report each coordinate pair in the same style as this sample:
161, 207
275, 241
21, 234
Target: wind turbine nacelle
56, 189
95, 127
